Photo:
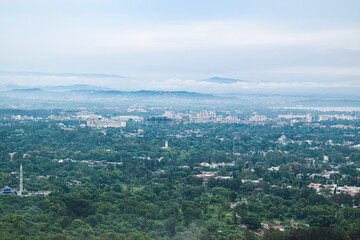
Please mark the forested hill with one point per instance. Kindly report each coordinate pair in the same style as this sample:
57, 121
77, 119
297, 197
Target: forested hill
143, 93
111, 93
38, 98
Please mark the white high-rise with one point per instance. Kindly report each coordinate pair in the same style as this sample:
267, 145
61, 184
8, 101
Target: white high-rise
166, 145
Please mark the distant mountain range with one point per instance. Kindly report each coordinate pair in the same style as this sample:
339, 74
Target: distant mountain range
30, 90
42, 74
144, 93
222, 80
82, 90
76, 87
66, 88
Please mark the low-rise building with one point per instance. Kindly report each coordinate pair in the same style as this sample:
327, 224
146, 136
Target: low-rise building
206, 175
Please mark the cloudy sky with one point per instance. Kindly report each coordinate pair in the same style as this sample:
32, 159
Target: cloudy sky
275, 45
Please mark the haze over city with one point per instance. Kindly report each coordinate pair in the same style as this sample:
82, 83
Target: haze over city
282, 47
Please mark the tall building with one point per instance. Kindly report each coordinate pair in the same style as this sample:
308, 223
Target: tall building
166, 145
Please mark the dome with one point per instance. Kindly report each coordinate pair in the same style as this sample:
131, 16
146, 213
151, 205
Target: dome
7, 190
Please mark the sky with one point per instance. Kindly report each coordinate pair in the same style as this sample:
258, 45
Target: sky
276, 46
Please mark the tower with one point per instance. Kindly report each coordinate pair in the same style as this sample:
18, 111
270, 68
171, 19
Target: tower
166, 145
21, 179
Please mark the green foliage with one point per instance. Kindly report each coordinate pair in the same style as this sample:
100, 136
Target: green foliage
149, 196
313, 233
252, 221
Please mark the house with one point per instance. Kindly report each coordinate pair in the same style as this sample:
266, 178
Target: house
316, 186
325, 174
348, 190
206, 175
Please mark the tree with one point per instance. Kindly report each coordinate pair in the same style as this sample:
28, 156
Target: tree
190, 212
249, 235
170, 225
251, 221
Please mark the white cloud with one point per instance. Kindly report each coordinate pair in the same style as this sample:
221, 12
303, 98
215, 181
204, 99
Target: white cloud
337, 71
242, 87
42, 81
173, 37
221, 34
184, 85
148, 50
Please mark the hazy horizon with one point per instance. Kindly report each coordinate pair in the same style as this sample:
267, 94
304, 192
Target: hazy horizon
275, 46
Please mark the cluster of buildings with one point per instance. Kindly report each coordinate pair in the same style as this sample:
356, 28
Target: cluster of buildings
170, 117
305, 118
283, 140
350, 190
334, 188
216, 165
104, 123
325, 174
212, 116
25, 117
258, 118
135, 108
73, 182
92, 163
200, 117
206, 175
116, 121
337, 117
24, 193
91, 119
296, 118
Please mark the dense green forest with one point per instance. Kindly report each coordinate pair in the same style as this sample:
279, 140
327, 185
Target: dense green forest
140, 190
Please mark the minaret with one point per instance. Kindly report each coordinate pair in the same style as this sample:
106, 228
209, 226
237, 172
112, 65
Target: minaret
21, 179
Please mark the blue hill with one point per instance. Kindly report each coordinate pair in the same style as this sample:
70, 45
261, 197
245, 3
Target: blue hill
222, 80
